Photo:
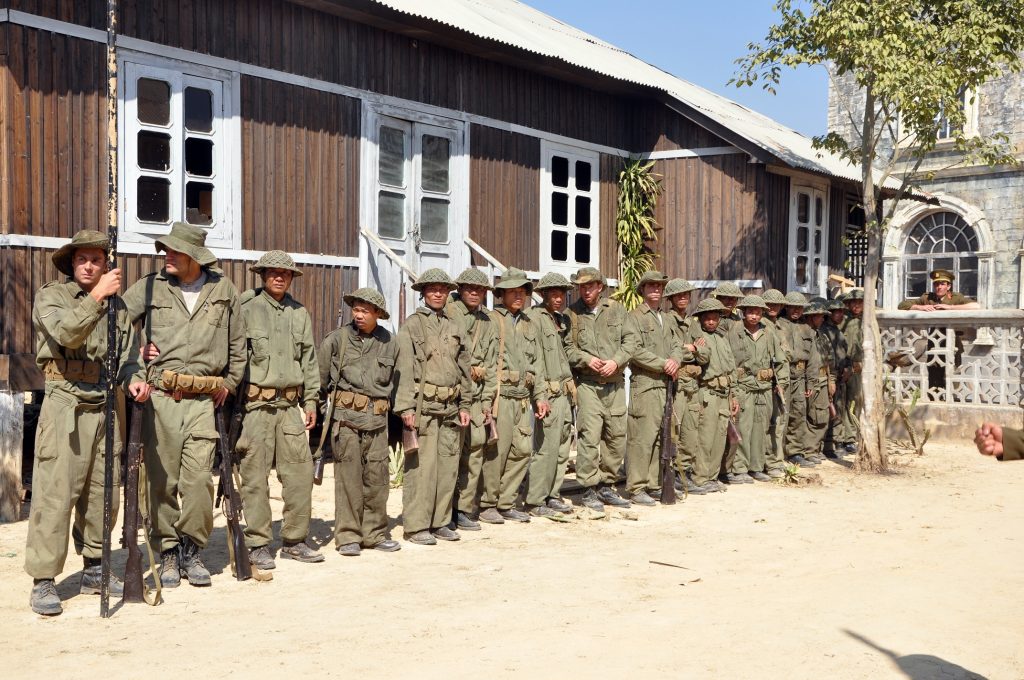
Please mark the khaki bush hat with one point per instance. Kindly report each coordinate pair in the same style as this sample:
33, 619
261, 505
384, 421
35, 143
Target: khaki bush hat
87, 238
434, 275
795, 299
188, 239
709, 305
553, 280
752, 301
774, 296
677, 286
371, 296
471, 276
514, 278
586, 275
276, 259
650, 277
727, 289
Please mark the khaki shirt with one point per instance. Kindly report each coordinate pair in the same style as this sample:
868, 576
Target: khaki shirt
208, 342
70, 324
601, 334
522, 373
281, 351
819, 359
853, 331
656, 343
687, 330
368, 369
431, 344
481, 337
721, 361
798, 337
838, 359
552, 328
756, 354
931, 298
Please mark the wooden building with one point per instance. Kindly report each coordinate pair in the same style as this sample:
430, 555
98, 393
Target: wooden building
447, 132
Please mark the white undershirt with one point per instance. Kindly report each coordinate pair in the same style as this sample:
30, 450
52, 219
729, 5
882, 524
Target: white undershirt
190, 291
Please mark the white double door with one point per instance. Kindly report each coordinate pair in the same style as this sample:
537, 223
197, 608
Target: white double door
415, 175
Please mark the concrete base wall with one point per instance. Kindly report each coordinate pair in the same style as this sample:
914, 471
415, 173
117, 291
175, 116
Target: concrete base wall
954, 423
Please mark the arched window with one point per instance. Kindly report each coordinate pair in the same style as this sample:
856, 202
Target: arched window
941, 240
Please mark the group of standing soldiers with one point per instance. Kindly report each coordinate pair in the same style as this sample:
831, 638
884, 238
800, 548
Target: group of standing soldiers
492, 397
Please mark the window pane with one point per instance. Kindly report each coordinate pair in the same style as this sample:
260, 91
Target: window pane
582, 176
817, 241
819, 211
560, 209
803, 208
154, 151
434, 220
391, 215
560, 171
944, 263
392, 157
153, 199
583, 212
801, 239
801, 270
436, 154
198, 110
583, 248
199, 157
919, 265
559, 246
154, 101
967, 283
199, 203
917, 285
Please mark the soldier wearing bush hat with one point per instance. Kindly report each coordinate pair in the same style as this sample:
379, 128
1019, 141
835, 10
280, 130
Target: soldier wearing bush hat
357, 364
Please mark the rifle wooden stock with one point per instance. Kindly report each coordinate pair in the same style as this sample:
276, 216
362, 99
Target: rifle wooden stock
318, 469
668, 447
133, 586
231, 503
410, 440
732, 436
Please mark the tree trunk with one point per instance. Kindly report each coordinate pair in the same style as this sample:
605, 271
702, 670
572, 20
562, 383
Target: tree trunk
12, 407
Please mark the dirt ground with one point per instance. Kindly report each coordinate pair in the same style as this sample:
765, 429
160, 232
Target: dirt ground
915, 574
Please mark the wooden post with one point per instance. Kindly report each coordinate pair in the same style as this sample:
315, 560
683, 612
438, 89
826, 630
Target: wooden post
12, 430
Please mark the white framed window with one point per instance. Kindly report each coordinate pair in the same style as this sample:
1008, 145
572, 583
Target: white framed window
179, 155
569, 208
968, 100
940, 240
808, 240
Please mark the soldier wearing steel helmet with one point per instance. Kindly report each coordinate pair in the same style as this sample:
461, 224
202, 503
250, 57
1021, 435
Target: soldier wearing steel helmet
728, 294
553, 435
357, 371
433, 395
837, 436
819, 384
467, 308
799, 340
280, 406
775, 301
694, 355
852, 331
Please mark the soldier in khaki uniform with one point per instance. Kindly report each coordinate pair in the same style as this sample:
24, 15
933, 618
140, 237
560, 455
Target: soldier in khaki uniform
282, 377
599, 349
728, 294
521, 379
854, 301
714, 403
775, 301
553, 437
478, 329
760, 363
820, 386
798, 339
191, 320
694, 353
433, 394
942, 297
653, 365
836, 435
69, 318
357, 365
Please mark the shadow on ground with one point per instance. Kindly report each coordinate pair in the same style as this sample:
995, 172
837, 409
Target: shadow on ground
920, 666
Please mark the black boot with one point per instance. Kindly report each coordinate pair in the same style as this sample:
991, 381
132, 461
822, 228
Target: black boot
44, 599
92, 575
169, 576
192, 567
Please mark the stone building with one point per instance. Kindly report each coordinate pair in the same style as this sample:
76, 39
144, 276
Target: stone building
975, 224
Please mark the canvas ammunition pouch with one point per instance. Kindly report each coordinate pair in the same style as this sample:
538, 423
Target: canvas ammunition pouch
360, 402
514, 377
180, 385
73, 370
566, 387
691, 370
441, 394
289, 394
477, 373
857, 367
721, 383
799, 366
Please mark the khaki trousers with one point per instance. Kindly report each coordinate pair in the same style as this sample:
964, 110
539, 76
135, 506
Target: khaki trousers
471, 461
505, 464
431, 474
361, 485
752, 423
67, 476
275, 436
709, 417
643, 439
601, 428
796, 435
552, 437
774, 459
180, 439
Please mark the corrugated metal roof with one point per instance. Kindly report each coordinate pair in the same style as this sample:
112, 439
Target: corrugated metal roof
520, 26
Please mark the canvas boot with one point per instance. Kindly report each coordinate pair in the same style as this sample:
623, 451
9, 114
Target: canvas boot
191, 566
170, 577
262, 558
591, 500
44, 599
301, 552
92, 575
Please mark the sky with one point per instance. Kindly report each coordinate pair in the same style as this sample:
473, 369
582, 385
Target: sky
699, 41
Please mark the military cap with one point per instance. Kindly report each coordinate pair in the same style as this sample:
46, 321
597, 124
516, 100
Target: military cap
752, 301
87, 238
276, 259
795, 299
472, 276
709, 305
677, 286
855, 294
369, 295
814, 308
727, 289
650, 277
586, 275
553, 280
942, 275
188, 239
514, 278
774, 296
434, 275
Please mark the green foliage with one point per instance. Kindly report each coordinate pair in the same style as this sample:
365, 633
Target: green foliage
635, 226
396, 465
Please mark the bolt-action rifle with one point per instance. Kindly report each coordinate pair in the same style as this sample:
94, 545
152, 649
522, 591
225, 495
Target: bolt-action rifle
227, 494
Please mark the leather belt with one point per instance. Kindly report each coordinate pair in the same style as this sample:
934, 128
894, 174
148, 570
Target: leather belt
290, 394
